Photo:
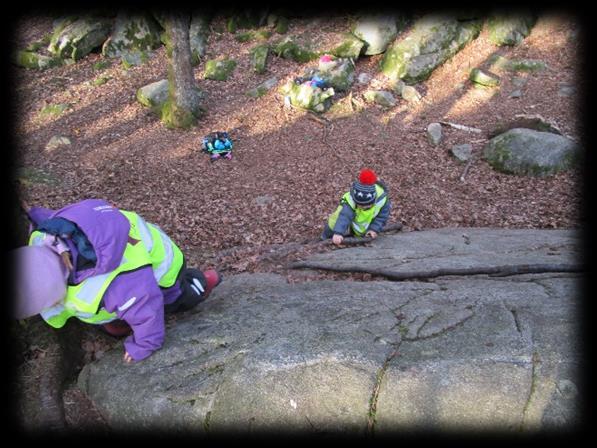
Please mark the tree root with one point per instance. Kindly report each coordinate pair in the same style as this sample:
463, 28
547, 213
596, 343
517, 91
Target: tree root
40, 381
276, 251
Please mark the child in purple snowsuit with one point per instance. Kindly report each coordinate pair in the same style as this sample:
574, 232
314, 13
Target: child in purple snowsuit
87, 240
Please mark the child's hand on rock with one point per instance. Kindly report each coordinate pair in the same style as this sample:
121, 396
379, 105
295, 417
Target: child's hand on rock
337, 239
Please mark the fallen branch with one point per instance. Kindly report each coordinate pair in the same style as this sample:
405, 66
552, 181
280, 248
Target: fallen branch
321, 120
461, 127
466, 168
354, 240
497, 271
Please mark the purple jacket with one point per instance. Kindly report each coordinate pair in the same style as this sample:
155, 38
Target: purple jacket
134, 296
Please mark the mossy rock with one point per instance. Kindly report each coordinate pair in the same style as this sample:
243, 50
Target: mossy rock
263, 88
132, 34
250, 35
480, 77
258, 57
32, 60
531, 153
153, 95
282, 25
53, 110
101, 65
40, 43
244, 37
231, 25
100, 80
80, 38
289, 49
526, 65
339, 75
219, 69
381, 97
306, 96
34, 176
351, 47
431, 41
517, 65
510, 28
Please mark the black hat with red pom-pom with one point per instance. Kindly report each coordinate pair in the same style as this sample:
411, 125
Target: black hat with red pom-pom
363, 190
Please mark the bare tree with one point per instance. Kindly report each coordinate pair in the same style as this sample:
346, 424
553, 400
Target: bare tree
183, 106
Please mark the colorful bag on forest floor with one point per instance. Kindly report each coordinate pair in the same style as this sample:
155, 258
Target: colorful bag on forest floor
217, 145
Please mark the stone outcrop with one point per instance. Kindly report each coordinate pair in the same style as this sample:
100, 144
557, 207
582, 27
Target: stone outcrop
132, 36
475, 352
430, 42
77, 39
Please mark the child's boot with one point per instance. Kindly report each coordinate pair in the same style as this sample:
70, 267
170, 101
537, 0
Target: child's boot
213, 279
117, 328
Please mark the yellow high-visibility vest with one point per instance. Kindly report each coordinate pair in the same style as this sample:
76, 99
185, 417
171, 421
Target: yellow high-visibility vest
151, 247
363, 217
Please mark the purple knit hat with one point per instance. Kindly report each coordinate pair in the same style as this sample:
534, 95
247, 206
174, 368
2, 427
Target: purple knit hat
40, 280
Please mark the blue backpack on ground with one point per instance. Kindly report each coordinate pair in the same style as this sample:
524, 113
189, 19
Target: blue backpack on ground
217, 144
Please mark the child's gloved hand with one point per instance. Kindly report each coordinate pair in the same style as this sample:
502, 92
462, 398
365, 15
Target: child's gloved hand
337, 239
128, 358
372, 234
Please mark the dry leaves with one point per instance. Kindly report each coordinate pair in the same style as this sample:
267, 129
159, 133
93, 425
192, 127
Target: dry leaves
289, 171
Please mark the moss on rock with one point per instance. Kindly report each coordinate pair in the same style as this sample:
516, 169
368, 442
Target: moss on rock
258, 57
80, 37
289, 49
219, 70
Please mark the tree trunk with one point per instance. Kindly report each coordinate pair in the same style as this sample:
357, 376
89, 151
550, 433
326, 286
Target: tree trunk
183, 106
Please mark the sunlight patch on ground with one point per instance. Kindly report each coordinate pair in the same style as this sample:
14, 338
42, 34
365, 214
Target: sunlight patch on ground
470, 101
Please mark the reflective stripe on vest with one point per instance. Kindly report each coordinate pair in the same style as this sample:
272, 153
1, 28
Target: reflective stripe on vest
82, 300
166, 258
363, 217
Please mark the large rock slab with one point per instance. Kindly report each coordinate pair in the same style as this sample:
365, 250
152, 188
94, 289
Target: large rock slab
457, 248
262, 354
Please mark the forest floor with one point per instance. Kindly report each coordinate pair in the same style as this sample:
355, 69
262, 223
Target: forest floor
289, 170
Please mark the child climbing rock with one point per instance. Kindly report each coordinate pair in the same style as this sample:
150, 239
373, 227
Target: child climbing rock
108, 267
363, 211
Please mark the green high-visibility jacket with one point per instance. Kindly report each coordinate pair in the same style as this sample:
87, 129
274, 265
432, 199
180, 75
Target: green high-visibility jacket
363, 217
148, 245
